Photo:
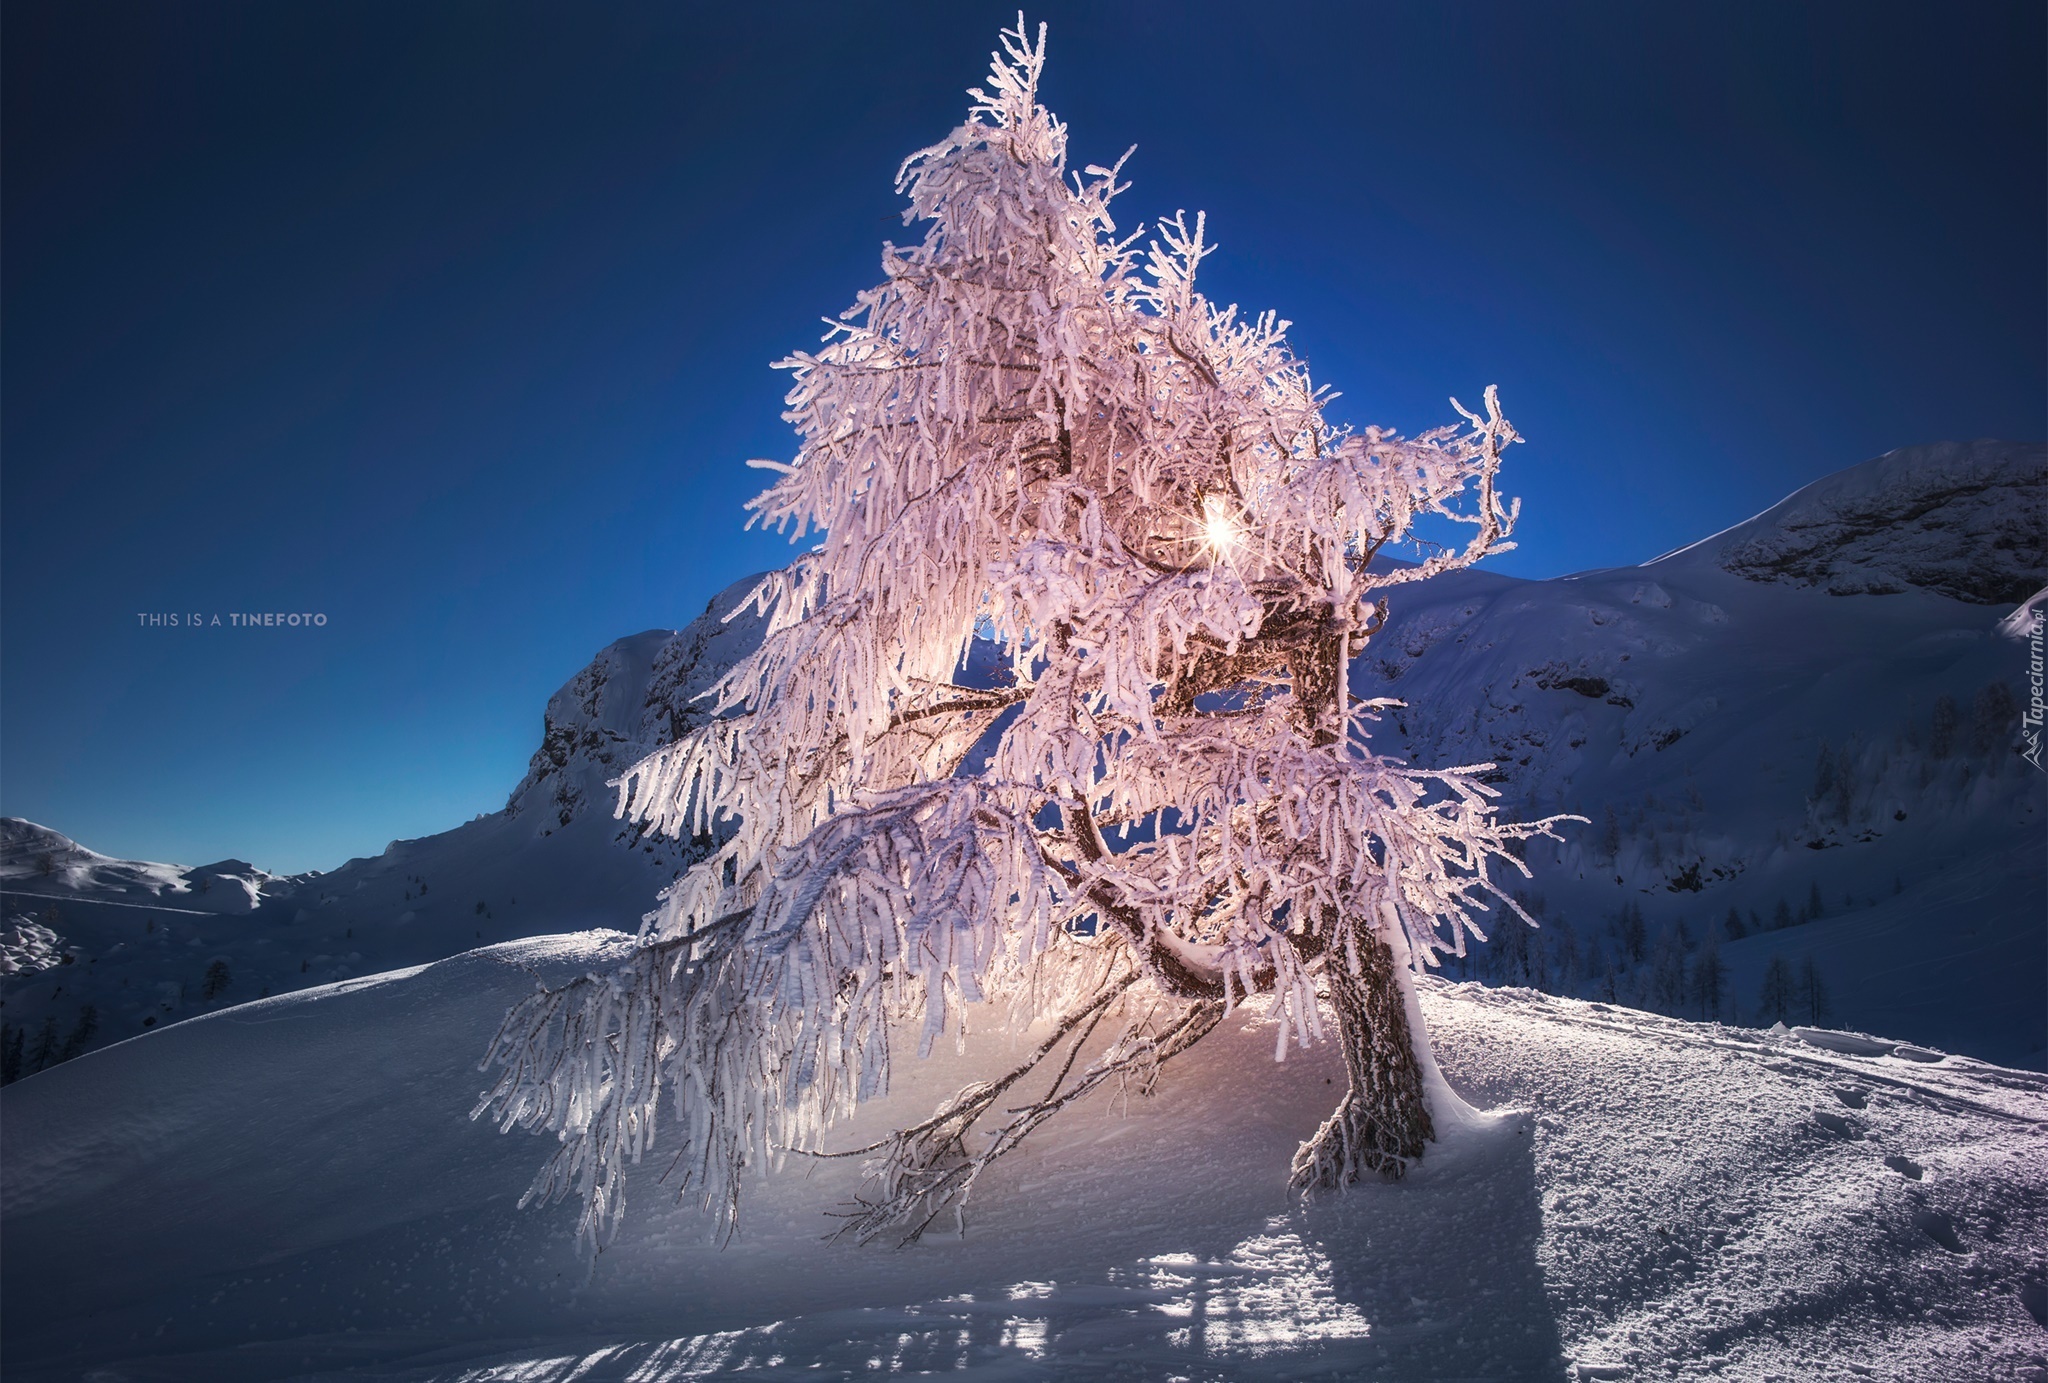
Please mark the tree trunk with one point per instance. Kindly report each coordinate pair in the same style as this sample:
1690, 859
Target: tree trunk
1382, 1122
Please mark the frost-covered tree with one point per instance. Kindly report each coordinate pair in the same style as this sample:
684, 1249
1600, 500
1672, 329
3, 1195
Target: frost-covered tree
1039, 434
216, 981
1774, 1001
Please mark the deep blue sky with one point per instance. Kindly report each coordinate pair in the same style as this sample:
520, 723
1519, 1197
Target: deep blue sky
453, 321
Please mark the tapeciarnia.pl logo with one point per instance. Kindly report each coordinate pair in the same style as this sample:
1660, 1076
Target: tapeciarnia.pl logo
2030, 723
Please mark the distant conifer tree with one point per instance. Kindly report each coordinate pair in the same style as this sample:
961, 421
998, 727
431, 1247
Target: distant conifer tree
1810, 996
1774, 1001
82, 1033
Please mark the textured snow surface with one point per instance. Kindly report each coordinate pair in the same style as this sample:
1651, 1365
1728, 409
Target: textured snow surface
291, 1189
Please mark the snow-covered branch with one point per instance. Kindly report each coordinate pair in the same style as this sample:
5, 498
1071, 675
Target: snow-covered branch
1033, 432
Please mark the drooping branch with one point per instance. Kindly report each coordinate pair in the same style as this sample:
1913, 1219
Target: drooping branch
919, 1177
586, 1061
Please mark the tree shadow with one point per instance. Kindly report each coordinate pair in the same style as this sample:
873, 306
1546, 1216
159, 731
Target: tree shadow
1434, 1278
1445, 1266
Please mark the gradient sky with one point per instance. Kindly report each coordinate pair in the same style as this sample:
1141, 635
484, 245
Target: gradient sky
452, 322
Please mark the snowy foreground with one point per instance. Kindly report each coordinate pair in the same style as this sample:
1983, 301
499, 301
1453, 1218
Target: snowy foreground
290, 1188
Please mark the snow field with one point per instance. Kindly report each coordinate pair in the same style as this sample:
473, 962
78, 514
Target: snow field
291, 1189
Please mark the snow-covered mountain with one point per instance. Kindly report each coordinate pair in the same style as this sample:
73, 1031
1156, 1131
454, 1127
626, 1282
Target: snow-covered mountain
113, 948
288, 1189
36, 861
1813, 707
1794, 739
637, 695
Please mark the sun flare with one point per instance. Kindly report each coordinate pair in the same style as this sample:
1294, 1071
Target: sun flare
1220, 531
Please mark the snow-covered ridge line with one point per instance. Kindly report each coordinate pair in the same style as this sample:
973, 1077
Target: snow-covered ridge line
1963, 519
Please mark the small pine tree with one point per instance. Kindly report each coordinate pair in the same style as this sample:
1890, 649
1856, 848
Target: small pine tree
11, 1040
1756, 924
1733, 925
1810, 996
1823, 773
1774, 1001
1668, 978
1993, 718
217, 980
1709, 979
1844, 793
1782, 918
1509, 958
88, 1024
46, 1045
1941, 737
1630, 933
1814, 907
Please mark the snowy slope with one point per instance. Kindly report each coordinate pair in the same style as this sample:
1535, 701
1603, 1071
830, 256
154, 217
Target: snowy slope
290, 1188
1687, 706
141, 937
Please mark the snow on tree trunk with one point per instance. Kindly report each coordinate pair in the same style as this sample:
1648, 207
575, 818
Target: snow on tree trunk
1033, 435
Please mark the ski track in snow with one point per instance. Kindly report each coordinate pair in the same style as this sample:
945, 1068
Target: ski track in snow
290, 1189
